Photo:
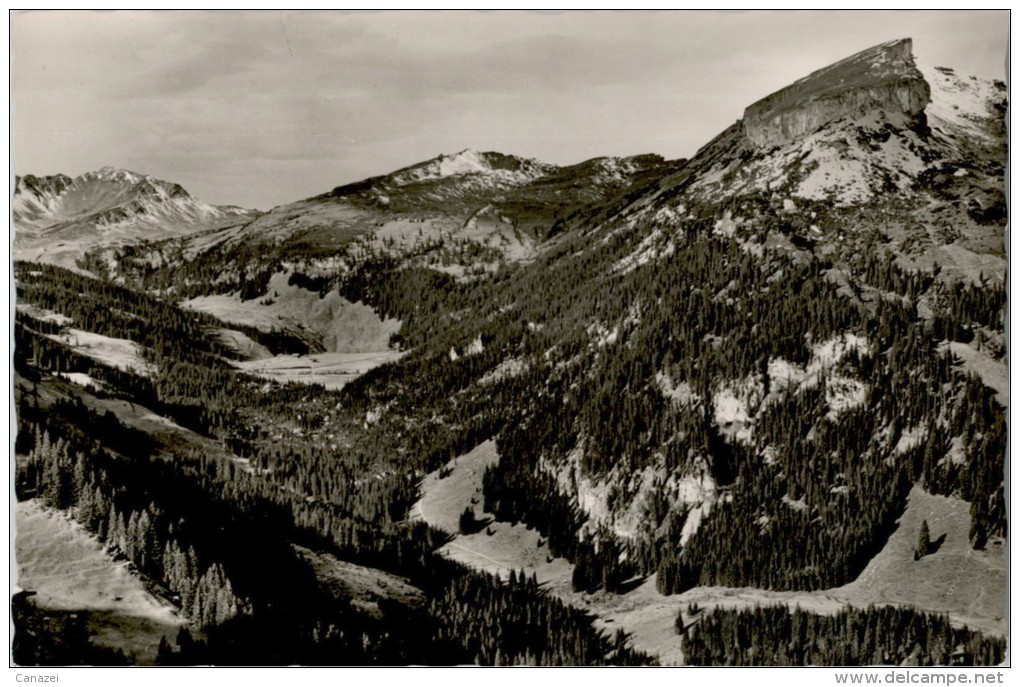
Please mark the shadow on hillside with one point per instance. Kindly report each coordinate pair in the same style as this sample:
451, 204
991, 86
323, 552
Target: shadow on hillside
936, 544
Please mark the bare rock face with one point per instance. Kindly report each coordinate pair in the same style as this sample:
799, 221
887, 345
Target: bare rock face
880, 78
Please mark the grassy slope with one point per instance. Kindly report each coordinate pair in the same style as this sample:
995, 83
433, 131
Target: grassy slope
134, 415
335, 323
992, 372
122, 354
969, 585
363, 585
71, 571
499, 547
644, 613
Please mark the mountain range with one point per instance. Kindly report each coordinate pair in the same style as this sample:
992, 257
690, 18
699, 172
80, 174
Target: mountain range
59, 217
674, 393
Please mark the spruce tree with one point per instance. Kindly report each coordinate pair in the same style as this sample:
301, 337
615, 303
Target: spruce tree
923, 542
467, 521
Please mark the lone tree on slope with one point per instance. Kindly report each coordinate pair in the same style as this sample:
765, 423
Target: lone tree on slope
467, 523
923, 542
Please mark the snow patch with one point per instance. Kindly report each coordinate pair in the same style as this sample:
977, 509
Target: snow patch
602, 335
43, 314
81, 379
733, 402
726, 225
911, 438
680, 394
831, 351
650, 248
512, 367
699, 492
959, 105
470, 163
122, 354
795, 504
693, 491
476, 346
841, 392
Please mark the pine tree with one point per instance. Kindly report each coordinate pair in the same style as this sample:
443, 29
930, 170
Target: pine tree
467, 521
165, 654
923, 542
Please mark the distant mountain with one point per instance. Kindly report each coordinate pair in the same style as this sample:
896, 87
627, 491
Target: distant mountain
57, 218
872, 150
532, 196
463, 214
460, 175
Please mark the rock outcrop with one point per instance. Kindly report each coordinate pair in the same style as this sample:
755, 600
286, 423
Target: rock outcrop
880, 78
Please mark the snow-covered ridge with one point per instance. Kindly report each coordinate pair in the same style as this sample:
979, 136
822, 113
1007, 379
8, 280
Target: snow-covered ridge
961, 104
507, 169
108, 197
860, 155
471, 178
57, 219
116, 175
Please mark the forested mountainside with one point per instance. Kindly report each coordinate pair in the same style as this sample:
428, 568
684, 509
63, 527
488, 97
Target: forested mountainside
86, 443
724, 371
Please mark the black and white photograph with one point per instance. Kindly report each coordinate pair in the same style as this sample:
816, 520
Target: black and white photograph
509, 338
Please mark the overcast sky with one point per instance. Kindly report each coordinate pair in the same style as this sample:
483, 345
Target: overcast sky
263, 108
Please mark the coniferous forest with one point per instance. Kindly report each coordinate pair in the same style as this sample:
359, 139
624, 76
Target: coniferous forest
775, 636
125, 486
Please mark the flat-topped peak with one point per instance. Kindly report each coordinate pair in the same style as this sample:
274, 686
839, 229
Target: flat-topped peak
882, 77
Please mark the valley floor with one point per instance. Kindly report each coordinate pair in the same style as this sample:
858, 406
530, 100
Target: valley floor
331, 370
968, 585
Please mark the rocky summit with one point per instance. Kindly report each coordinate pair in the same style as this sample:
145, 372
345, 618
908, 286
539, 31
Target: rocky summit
882, 77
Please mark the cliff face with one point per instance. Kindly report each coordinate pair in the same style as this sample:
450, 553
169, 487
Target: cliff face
54, 185
880, 78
